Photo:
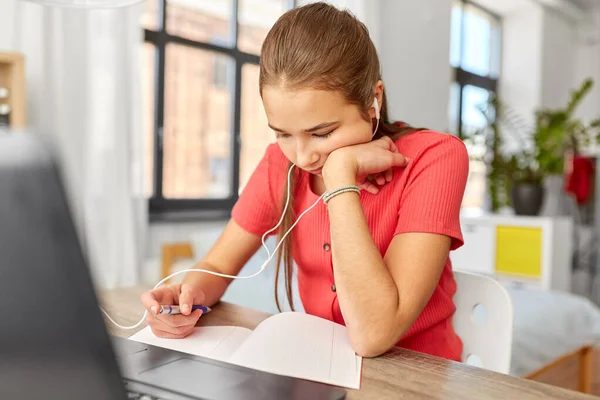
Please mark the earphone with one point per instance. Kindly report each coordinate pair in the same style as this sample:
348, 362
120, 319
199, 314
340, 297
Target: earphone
270, 256
262, 268
376, 107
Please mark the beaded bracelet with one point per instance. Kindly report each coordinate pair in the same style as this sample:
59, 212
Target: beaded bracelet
344, 189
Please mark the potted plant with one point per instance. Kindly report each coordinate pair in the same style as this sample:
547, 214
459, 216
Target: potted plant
517, 174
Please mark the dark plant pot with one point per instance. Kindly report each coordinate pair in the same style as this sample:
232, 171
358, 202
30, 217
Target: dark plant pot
527, 198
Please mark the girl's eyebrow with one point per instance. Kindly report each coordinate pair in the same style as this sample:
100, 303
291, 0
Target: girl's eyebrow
309, 130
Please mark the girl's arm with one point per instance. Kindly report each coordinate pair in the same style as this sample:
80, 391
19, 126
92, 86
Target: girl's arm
228, 255
380, 297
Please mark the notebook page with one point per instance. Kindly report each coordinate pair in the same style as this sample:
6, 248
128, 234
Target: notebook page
216, 342
345, 365
302, 346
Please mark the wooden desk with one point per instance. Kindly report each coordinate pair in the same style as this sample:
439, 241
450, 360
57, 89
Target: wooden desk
400, 373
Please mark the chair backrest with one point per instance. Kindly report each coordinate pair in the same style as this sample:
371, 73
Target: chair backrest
484, 321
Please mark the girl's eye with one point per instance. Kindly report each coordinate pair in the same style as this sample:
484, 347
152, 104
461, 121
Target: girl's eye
319, 136
323, 135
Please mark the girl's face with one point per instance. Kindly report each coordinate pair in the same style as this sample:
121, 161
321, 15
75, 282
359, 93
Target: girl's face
309, 124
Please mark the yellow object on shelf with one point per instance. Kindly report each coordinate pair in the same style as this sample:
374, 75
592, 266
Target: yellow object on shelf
519, 251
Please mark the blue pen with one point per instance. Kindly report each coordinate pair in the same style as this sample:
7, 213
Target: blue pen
175, 309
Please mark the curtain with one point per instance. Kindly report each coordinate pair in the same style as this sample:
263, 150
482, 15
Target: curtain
84, 94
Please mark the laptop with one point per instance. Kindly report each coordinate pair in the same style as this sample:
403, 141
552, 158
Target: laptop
53, 339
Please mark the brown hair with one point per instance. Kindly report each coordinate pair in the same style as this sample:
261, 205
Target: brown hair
321, 47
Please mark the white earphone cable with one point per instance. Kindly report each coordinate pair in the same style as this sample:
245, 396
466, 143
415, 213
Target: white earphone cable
287, 196
376, 127
262, 268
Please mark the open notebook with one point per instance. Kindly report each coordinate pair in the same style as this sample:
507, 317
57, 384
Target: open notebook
291, 344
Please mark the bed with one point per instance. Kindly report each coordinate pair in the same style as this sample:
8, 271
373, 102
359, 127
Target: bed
556, 339
556, 335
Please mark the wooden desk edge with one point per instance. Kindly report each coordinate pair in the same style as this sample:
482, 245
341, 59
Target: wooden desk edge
420, 372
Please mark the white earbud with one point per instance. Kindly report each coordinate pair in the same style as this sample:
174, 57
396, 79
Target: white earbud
376, 107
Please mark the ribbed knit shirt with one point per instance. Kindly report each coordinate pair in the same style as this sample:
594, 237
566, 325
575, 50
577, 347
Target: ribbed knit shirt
424, 196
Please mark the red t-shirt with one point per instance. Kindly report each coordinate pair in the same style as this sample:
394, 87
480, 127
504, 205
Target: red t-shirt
425, 196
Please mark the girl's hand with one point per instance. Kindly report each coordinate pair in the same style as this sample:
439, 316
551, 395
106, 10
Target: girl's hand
367, 165
173, 326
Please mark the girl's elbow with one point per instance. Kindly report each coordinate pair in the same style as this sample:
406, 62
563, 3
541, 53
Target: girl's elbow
367, 351
370, 346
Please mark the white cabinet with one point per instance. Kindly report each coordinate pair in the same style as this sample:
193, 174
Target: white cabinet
478, 252
532, 251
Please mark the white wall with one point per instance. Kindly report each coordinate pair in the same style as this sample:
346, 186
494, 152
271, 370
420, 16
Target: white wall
558, 59
587, 64
546, 54
520, 83
415, 54
6, 24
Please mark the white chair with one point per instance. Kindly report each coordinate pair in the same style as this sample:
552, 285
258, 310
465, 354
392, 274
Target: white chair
484, 321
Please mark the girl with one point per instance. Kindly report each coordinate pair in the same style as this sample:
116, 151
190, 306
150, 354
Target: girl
375, 260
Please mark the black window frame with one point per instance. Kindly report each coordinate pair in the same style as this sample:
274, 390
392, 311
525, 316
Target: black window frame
463, 77
202, 208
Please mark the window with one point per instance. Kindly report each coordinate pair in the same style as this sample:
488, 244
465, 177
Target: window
206, 128
475, 61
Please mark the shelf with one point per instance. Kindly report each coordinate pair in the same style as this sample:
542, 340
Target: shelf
12, 77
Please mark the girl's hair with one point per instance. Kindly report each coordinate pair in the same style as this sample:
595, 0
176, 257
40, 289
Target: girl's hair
321, 47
